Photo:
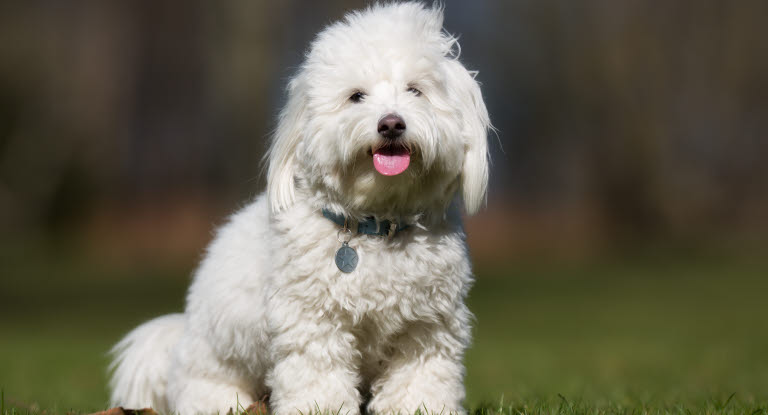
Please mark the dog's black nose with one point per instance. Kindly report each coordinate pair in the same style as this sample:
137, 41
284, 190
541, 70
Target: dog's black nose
391, 126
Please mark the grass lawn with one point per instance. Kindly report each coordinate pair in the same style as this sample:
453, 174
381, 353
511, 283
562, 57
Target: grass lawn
623, 336
626, 337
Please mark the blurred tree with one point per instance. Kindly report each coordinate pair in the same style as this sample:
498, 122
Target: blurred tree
648, 117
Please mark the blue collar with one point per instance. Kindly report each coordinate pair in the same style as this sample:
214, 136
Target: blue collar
370, 226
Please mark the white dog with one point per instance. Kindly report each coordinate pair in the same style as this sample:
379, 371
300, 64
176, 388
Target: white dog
345, 282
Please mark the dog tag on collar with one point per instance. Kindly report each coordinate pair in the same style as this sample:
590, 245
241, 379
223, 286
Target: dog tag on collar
346, 258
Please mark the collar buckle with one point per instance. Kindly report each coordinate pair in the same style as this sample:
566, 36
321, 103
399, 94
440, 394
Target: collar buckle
392, 230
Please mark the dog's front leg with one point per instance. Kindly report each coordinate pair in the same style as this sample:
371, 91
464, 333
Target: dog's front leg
425, 373
315, 366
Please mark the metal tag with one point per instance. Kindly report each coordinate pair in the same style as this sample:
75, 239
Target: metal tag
346, 258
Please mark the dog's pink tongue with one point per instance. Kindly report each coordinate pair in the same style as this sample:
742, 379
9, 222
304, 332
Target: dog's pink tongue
391, 161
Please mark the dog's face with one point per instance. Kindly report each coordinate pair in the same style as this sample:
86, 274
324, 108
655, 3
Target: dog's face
382, 118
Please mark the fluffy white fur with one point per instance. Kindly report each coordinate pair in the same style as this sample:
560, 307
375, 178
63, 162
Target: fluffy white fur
268, 311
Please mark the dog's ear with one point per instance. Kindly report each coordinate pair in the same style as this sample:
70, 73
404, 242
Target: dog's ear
285, 142
475, 125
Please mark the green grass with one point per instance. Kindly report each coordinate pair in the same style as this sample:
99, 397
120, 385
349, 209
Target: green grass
650, 331
643, 337
630, 336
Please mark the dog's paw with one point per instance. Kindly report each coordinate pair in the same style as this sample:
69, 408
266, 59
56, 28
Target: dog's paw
413, 406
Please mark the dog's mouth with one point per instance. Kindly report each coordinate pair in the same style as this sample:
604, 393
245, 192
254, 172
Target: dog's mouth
391, 159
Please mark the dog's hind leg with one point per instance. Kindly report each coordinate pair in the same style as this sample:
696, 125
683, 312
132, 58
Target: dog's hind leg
141, 363
203, 382
202, 395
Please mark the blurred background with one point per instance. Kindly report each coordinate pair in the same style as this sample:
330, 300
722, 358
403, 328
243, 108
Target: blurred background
622, 254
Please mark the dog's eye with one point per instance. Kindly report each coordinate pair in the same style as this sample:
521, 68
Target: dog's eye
357, 97
414, 91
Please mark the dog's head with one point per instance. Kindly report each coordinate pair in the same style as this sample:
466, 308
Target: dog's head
382, 118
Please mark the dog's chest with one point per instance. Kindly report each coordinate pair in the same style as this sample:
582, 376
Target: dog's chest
404, 279
418, 274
